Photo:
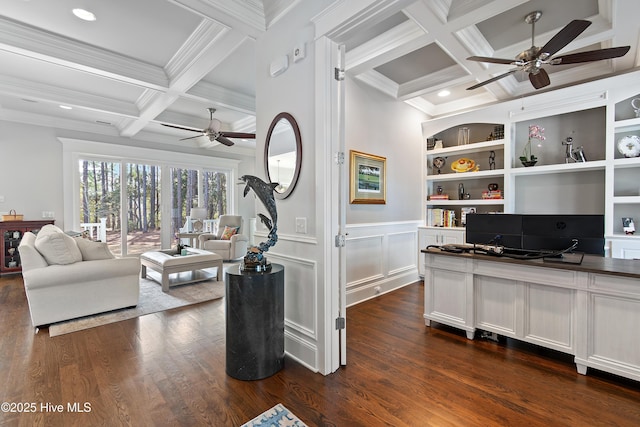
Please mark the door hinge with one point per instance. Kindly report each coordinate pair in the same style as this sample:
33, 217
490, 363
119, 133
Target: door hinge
341, 241
339, 158
341, 323
338, 74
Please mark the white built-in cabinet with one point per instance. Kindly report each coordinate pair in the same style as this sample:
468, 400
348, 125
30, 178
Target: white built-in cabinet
589, 314
437, 236
596, 115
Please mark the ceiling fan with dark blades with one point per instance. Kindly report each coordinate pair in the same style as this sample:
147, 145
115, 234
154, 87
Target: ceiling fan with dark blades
532, 59
213, 131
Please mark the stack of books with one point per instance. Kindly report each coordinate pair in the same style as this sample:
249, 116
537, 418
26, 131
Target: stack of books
496, 194
438, 217
439, 197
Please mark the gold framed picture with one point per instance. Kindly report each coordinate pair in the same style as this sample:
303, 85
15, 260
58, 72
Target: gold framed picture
368, 178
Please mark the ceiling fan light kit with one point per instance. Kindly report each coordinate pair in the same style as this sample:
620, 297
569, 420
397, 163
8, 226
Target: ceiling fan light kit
532, 59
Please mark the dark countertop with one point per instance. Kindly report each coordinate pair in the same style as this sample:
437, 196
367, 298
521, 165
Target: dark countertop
590, 263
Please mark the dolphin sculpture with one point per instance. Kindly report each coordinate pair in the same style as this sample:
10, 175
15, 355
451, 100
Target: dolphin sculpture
264, 192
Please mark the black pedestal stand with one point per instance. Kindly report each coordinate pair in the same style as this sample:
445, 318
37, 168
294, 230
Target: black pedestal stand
255, 322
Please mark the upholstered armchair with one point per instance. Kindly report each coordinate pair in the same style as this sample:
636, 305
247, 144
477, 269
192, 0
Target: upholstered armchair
229, 245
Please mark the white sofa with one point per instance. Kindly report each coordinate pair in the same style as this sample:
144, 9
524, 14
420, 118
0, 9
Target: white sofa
65, 278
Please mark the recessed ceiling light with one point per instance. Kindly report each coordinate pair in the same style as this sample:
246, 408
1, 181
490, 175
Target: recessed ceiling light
85, 15
444, 93
66, 107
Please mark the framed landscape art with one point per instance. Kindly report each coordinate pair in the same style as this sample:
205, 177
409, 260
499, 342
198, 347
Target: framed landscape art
368, 178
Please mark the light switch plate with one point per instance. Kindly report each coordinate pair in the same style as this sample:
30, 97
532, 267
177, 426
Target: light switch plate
301, 225
1, 199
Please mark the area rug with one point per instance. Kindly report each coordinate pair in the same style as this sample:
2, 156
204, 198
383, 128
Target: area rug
152, 300
278, 416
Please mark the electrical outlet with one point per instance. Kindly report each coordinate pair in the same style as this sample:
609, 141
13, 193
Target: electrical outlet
301, 225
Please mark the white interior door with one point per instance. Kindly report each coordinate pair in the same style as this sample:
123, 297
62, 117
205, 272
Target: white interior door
343, 183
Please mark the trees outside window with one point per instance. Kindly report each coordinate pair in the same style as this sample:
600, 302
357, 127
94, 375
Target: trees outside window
138, 203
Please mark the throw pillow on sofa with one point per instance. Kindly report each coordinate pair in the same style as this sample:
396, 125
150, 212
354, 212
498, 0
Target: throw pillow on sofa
228, 232
56, 247
93, 251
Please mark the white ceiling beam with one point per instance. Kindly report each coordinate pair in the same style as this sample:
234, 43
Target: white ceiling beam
447, 77
352, 13
42, 45
219, 96
397, 42
56, 122
205, 49
57, 95
245, 16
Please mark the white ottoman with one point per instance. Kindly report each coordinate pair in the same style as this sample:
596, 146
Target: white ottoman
166, 262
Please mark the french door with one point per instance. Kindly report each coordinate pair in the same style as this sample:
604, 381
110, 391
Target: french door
123, 202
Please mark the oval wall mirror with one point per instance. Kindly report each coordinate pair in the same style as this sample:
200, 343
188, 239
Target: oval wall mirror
283, 154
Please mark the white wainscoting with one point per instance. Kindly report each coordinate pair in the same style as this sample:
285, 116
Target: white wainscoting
300, 302
381, 257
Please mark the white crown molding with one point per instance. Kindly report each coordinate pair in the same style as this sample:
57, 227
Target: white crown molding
219, 96
247, 16
34, 43
421, 104
274, 10
463, 104
248, 124
446, 77
351, 13
380, 82
198, 42
56, 122
57, 95
474, 41
440, 9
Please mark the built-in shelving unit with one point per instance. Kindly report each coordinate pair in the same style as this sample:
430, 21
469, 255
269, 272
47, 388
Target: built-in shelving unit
594, 115
625, 188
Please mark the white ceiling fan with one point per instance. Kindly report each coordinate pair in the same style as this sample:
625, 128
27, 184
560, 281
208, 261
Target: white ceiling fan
213, 132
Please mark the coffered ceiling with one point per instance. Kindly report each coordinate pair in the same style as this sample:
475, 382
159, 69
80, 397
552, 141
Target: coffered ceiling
146, 62
422, 49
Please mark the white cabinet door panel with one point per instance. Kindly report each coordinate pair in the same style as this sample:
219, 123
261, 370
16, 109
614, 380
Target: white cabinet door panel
496, 304
549, 316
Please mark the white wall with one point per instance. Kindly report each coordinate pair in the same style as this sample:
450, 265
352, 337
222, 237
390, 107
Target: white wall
377, 124
30, 171
382, 244
32, 175
300, 253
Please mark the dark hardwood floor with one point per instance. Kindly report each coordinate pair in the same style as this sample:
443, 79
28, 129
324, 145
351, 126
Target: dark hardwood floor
168, 369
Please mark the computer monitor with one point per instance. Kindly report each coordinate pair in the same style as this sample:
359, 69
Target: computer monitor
556, 232
494, 229
538, 232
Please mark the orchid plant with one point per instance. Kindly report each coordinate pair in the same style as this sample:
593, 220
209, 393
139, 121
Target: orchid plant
535, 132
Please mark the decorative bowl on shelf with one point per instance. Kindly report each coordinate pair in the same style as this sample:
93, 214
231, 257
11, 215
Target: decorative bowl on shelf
465, 165
528, 163
629, 146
